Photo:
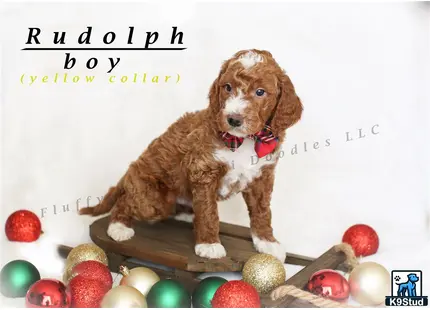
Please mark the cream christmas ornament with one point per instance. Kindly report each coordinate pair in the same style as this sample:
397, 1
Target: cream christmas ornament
141, 278
369, 284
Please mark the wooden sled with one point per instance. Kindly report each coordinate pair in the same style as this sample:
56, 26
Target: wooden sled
168, 248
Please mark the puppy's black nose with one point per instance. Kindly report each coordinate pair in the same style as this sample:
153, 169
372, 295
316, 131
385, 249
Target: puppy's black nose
235, 120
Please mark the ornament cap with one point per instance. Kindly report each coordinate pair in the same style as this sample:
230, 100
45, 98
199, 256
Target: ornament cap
124, 270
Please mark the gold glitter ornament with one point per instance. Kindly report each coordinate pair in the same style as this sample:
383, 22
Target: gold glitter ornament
141, 278
264, 272
82, 253
124, 297
369, 284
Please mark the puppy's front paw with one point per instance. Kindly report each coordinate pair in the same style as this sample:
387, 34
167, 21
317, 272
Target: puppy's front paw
214, 250
119, 232
184, 217
273, 248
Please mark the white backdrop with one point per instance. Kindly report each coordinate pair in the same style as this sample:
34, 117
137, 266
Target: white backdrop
355, 67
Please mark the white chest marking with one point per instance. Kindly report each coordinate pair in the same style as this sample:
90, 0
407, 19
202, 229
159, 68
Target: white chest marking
244, 166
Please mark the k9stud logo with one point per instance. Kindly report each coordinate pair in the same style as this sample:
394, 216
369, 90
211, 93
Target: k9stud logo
406, 289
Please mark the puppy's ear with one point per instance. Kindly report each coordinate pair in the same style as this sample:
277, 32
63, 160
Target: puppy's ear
289, 109
214, 103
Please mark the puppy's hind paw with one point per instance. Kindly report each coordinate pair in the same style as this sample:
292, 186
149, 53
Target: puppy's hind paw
119, 232
273, 248
213, 250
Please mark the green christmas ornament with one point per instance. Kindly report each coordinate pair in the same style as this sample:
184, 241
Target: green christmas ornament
168, 294
16, 277
205, 291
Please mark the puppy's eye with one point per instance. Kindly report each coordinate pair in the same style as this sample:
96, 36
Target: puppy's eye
227, 87
260, 92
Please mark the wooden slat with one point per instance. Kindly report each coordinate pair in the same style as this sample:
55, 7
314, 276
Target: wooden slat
171, 243
244, 233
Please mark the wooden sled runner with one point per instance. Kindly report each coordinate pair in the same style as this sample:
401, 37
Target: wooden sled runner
168, 248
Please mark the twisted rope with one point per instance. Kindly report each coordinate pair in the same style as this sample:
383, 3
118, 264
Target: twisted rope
351, 260
318, 301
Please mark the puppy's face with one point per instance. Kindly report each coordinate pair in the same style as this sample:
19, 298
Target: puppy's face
251, 88
248, 92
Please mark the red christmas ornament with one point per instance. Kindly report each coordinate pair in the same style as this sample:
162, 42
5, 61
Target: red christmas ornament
86, 293
95, 270
47, 293
23, 226
363, 239
236, 294
330, 284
